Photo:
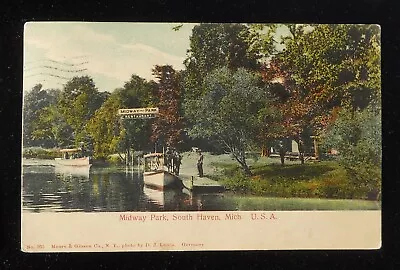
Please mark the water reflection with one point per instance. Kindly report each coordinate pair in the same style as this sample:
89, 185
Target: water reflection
60, 189
79, 171
50, 189
170, 199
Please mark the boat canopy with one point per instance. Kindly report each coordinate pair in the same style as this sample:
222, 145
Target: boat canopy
70, 150
153, 155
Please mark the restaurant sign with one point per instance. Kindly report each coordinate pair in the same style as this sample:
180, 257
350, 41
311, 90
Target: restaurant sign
138, 113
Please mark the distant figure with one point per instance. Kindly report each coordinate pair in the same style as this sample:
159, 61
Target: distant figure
177, 162
301, 151
200, 164
156, 163
282, 153
83, 151
168, 159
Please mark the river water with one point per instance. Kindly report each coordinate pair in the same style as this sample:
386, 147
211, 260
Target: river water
49, 188
62, 189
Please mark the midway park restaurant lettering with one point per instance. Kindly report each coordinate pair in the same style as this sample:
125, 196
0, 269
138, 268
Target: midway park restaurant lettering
138, 113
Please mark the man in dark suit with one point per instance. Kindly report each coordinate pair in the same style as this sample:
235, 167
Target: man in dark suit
200, 164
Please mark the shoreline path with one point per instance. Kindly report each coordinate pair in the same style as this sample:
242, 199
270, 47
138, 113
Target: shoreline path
189, 168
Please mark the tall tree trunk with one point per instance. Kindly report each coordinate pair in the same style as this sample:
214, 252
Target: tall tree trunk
239, 155
242, 161
264, 150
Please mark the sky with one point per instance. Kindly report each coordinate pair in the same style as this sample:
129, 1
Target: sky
108, 52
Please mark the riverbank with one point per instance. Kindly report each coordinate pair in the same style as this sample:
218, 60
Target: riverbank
258, 203
323, 180
40, 153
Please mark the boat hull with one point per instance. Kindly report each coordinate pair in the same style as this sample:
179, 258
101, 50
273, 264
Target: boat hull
161, 179
85, 161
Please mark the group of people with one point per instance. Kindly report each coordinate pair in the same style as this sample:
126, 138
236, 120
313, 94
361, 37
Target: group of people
173, 160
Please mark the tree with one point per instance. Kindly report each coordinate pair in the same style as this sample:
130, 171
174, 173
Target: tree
228, 112
137, 93
215, 46
357, 136
261, 40
323, 70
168, 127
78, 102
51, 126
34, 101
104, 128
111, 134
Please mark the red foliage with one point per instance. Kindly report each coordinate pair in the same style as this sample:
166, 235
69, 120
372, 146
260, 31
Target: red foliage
167, 128
305, 105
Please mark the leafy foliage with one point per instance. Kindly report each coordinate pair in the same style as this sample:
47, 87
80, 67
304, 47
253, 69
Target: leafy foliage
357, 137
104, 128
52, 126
168, 127
78, 103
113, 135
34, 101
262, 40
228, 112
323, 70
215, 46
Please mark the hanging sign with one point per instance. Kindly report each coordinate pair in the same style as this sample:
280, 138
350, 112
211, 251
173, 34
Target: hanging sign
138, 113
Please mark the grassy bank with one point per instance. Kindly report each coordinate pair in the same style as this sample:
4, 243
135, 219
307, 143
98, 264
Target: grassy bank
40, 153
325, 179
257, 203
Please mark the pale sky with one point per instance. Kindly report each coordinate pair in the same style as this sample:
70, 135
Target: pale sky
108, 52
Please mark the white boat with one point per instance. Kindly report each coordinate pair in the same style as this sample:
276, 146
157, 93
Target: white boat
73, 157
156, 174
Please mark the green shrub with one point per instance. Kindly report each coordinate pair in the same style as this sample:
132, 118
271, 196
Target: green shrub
236, 181
357, 137
312, 180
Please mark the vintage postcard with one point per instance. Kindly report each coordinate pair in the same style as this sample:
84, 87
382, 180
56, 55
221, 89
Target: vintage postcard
203, 136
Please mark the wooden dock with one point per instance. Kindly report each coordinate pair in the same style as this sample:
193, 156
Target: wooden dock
197, 184
194, 183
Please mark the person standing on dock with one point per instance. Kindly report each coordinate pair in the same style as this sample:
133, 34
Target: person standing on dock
282, 153
200, 164
177, 162
168, 159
